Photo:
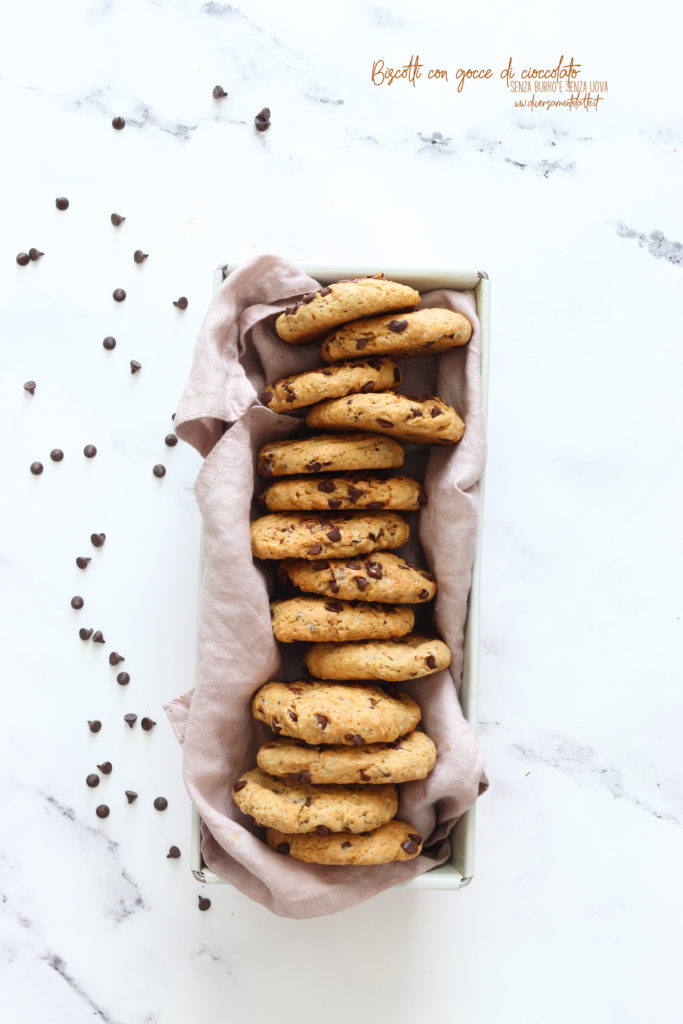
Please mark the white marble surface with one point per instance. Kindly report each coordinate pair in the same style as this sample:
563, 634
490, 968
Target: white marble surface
575, 909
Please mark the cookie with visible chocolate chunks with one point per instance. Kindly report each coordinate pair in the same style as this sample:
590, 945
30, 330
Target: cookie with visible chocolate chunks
296, 807
409, 657
352, 491
396, 840
311, 535
426, 420
329, 453
321, 311
348, 713
320, 619
420, 333
302, 389
381, 576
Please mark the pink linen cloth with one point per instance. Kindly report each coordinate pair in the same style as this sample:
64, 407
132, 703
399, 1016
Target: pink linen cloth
220, 414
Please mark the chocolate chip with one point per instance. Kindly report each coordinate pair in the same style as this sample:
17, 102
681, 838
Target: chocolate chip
436, 412
131, 796
180, 303
364, 777
322, 721
159, 470
36, 468
118, 123
30, 386
308, 801
282, 848
374, 570
313, 467
173, 853
383, 422
172, 415
147, 724
276, 727
410, 846
323, 830
204, 902
353, 565
82, 563
240, 784
334, 503
370, 386
56, 454
326, 372
62, 203
324, 291
415, 412
130, 720
361, 343
77, 601
35, 254
94, 726
293, 715
102, 811
90, 451
327, 486
135, 366
361, 582
430, 661
320, 565
123, 679
262, 119
334, 587
375, 505
315, 549
427, 575
160, 803
93, 781
397, 375
423, 595
109, 343
265, 468
97, 637
422, 499
118, 294
117, 219
105, 767
334, 606
345, 845
171, 440
415, 837
396, 326
354, 738
334, 534
293, 689
139, 256
23, 258
115, 658
84, 633
219, 92
306, 779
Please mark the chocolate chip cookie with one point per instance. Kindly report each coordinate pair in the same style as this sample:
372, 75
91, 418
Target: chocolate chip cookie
396, 840
389, 660
348, 713
307, 535
404, 760
381, 576
331, 382
297, 807
318, 619
426, 420
321, 311
353, 491
420, 333
329, 453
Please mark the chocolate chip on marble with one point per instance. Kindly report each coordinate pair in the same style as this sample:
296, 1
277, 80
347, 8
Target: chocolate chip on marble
117, 219
180, 303
396, 326
131, 796
135, 366
354, 738
139, 256
159, 470
115, 658
360, 582
118, 295
410, 846
327, 486
90, 451
282, 848
105, 767
171, 440
94, 725
23, 259
92, 780
160, 803
130, 719
102, 811
82, 563
30, 386
35, 254
219, 92
36, 468
173, 853
345, 845
322, 721
204, 902
97, 637
97, 539
77, 601
84, 633
147, 724
240, 784
62, 203
430, 661
109, 343
118, 123
315, 549
334, 534
323, 830
370, 386
123, 679
262, 119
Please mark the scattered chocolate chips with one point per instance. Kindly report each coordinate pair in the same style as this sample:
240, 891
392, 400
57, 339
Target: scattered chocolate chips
410, 845
131, 796
90, 451
23, 259
102, 811
147, 724
204, 902
109, 343
326, 486
118, 295
115, 658
354, 738
130, 720
430, 661
118, 123
30, 386
97, 637
117, 219
35, 254
171, 440
173, 853
135, 366
105, 767
282, 848
84, 633
56, 454
396, 326
315, 549
159, 470
160, 803
218, 92
77, 601
240, 784
123, 679
94, 726
361, 582
345, 845
262, 119
97, 539
36, 468
139, 256
82, 563
93, 781
334, 534
322, 721
180, 303
323, 830
62, 203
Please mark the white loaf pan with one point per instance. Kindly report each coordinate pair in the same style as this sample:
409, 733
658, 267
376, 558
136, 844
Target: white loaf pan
458, 871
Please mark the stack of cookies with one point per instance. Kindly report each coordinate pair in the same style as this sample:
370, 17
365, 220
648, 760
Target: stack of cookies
325, 786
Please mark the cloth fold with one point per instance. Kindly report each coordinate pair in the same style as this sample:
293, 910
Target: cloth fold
236, 355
